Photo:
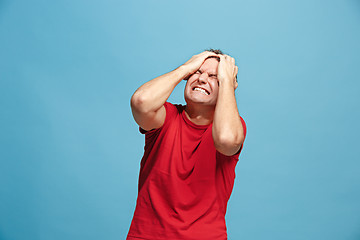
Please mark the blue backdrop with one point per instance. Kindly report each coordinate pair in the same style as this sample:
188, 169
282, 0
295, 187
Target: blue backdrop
70, 150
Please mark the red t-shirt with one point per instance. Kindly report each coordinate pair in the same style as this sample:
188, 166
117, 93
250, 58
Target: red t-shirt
184, 183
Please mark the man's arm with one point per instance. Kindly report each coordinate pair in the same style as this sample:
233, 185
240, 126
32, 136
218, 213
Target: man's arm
228, 132
147, 103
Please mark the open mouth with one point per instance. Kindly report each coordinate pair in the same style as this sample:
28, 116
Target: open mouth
202, 90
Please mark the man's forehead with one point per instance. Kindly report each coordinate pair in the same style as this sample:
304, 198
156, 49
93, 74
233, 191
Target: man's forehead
210, 65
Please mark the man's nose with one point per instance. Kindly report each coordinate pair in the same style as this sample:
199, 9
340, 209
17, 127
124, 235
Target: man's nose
203, 78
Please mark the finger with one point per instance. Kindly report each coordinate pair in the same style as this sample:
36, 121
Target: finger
208, 53
203, 54
229, 58
236, 72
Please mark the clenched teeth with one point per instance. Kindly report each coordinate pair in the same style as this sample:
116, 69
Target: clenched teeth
201, 90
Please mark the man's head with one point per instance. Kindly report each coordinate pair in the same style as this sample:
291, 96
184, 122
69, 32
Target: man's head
202, 87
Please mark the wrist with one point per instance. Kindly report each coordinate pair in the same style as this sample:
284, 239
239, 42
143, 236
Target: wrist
226, 81
183, 71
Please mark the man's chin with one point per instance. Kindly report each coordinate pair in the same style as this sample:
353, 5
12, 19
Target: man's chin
200, 103
199, 100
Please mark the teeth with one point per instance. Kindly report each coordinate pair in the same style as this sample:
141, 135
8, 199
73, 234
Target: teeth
201, 90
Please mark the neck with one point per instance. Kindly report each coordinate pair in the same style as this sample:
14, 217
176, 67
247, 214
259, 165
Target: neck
200, 115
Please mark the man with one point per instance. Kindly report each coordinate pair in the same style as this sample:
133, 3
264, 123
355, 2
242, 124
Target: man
188, 168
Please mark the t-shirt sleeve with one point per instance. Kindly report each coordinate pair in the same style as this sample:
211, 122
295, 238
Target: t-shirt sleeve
151, 136
244, 128
170, 114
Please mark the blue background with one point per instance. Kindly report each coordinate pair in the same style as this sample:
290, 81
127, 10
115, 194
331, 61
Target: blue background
70, 151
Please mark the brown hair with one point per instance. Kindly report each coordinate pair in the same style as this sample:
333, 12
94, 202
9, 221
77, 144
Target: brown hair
216, 51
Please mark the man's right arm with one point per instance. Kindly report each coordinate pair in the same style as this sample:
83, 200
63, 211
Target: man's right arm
147, 103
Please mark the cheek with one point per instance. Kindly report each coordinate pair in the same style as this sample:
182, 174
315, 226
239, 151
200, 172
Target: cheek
190, 81
192, 78
187, 89
187, 86
215, 86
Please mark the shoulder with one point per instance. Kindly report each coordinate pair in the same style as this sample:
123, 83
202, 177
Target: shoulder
173, 108
171, 111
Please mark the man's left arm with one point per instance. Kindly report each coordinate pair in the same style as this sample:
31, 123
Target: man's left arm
227, 129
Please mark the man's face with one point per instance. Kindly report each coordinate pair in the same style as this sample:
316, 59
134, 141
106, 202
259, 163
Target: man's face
202, 87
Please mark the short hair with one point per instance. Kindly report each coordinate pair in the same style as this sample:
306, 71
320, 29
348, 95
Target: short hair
216, 51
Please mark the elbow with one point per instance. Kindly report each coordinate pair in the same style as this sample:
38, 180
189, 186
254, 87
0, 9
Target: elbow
138, 102
230, 140
228, 144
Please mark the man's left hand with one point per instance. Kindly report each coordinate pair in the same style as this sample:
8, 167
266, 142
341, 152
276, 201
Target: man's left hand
227, 70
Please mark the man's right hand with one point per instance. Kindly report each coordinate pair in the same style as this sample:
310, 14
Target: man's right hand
195, 62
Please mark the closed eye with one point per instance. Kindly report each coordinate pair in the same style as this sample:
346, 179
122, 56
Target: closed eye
214, 76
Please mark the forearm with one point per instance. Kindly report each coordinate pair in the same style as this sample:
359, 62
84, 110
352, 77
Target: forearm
152, 95
228, 133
